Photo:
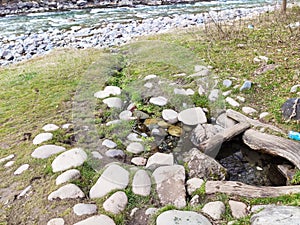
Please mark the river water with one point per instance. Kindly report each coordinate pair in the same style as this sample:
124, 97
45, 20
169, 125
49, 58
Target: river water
41, 22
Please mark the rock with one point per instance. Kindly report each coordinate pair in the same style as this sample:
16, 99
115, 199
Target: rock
69, 191
21, 169
149, 77
192, 116
249, 110
109, 144
113, 102
69, 159
170, 116
9, 164
114, 177
202, 166
40, 138
56, 221
96, 155
66, 126
195, 200
224, 121
9, 157
170, 178
277, 215
67, 176
134, 137
139, 161
238, 209
126, 115
227, 83
141, 184
232, 102
115, 153
116, 203
246, 85
151, 211
160, 101
50, 127
46, 151
97, 220
148, 85
175, 131
202, 132
159, 159
135, 148
179, 91
214, 209
24, 192
226, 93
291, 109
263, 115
193, 184
201, 90
108, 90
176, 217
213, 95
240, 99
294, 89
84, 209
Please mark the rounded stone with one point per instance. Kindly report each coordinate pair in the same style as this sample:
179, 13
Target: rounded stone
69, 191
192, 116
84, 209
113, 102
141, 184
125, 115
67, 176
193, 184
139, 161
160, 101
227, 83
56, 221
46, 151
21, 169
115, 153
238, 209
97, 220
248, 110
9, 164
50, 127
160, 159
170, 116
116, 203
40, 138
214, 209
135, 148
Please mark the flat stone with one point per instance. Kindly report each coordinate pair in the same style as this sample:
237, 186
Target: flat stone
46, 151
295, 88
113, 102
69, 191
202, 132
108, 90
40, 138
238, 209
246, 85
135, 148
96, 155
240, 98
114, 177
227, 93
227, 83
69, 159
192, 116
169, 178
170, 116
116, 203
193, 184
232, 102
134, 137
248, 110
50, 127
24, 192
7, 158
224, 121
109, 144
115, 153
9, 164
66, 126
263, 115
160, 101
277, 215
56, 221
214, 209
214, 95
176, 217
141, 184
84, 209
97, 220
126, 115
139, 161
67, 176
21, 169
159, 159
189, 91
149, 77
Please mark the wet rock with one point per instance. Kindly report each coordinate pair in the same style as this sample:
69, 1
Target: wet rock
109, 144
240, 98
40, 138
67, 176
159, 159
246, 85
170, 116
232, 102
192, 116
113, 102
176, 217
135, 148
21, 169
141, 184
160, 101
56, 221
46, 151
9, 157
50, 127
68, 191
193, 184
263, 115
84, 209
214, 209
134, 137
113, 178
238, 209
95, 220
116, 203
170, 178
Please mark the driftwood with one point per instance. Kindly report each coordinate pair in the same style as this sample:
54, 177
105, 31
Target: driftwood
255, 123
212, 146
273, 145
244, 190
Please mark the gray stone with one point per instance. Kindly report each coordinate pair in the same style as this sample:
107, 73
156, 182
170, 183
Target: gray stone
9, 157
195, 200
227, 93
135, 148
201, 71
115, 153
108, 90
126, 115
170, 116
151, 211
160, 101
139, 161
141, 184
263, 115
116, 203
40, 138
109, 144
50, 127
170, 178
225, 121
96, 155
140, 115
202, 132
134, 137
240, 98
9, 164
248, 110
214, 95
46, 151
246, 85
194, 184
56, 221
84, 209
66, 126
21, 169
176, 217
277, 215
238, 209
67, 176
159, 159
69, 191
291, 109
214, 209
149, 77
203, 166
232, 102
201, 90
69, 159
113, 178
97, 220
148, 85
113, 102
192, 116
24, 192
294, 89
227, 83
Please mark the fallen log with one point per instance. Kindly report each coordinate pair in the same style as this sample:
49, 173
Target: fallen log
239, 117
273, 145
244, 190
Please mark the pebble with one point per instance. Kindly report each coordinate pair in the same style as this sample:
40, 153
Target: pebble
246, 85
170, 116
249, 110
226, 93
141, 184
96, 155
69, 191
50, 127
40, 138
109, 144
214, 209
116, 203
134, 137
21, 169
148, 85
115, 153
149, 77
113, 102
46, 151
24, 192
97, 220
232, 102
201, 90
9, 164
240, 98
67, 176
159, 159
193, 184
139, 161
126, 115
295, 88
56, 221
238, 209
160, 101
66, 126
7, 158
227, 83
263, 115
151, 211
135, 148
213, 95
81, 209
192, 116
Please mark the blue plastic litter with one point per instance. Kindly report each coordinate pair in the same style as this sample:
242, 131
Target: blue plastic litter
294, 135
